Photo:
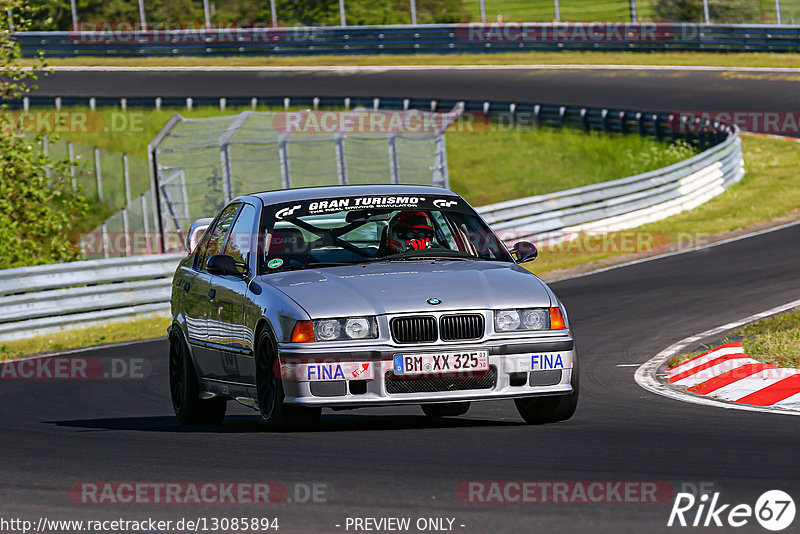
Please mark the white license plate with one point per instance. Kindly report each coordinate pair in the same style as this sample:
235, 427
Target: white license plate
451, 362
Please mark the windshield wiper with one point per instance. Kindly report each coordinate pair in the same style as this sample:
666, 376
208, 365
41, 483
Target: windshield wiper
426, 255
317, 265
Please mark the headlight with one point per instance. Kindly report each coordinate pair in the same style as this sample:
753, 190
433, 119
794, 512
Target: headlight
505, 320
340, 329
535, 319
528, 319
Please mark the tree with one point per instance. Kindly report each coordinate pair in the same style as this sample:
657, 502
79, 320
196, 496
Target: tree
36, 212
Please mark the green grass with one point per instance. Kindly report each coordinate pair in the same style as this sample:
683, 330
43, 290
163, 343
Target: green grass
768, 191
143, 328
493, 166
746, 59
775, 340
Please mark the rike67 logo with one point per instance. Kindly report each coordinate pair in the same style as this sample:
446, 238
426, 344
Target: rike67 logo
774, 510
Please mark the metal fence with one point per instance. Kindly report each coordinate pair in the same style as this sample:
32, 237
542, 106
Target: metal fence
200, 164
418, 39
101, 175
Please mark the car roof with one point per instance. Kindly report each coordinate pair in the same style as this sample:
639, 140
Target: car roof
310, 193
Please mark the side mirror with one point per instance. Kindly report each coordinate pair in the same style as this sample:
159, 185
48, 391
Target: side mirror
196, 231
524, 251
224, 265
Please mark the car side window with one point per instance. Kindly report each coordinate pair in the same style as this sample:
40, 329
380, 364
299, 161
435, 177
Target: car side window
216, 239
238, 245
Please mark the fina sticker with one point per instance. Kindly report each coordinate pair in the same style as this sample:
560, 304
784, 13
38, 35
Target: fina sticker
546, 361
275, 263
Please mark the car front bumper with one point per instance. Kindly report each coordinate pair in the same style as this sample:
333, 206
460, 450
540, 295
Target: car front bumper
367, 373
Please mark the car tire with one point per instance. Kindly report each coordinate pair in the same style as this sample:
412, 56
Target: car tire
543, 410
447, 409
185, 387
275, 414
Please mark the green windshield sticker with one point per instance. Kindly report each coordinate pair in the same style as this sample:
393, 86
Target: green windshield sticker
275, 263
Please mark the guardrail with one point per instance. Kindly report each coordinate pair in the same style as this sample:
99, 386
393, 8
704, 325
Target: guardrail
408, 39
48, 298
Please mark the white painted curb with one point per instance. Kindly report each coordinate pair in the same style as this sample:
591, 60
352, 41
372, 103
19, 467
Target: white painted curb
646, 375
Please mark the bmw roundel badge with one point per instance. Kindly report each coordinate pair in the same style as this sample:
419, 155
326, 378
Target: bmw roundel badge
433, 301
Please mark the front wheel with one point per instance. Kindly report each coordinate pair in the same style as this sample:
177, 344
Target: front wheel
446, 409
542, 410
275, 414
184, 388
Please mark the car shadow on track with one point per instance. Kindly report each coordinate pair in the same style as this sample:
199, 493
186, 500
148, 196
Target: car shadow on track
244, 424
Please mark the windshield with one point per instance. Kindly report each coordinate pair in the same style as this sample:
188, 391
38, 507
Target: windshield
351, 230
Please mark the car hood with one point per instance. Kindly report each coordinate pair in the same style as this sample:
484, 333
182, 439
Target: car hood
400, 287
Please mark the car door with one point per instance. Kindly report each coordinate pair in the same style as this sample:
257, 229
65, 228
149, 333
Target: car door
227, 330
202, 293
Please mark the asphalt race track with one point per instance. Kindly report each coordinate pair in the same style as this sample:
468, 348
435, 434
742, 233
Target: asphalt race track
397, 463
649, 89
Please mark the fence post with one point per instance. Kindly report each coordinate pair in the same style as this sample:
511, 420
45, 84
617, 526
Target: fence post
71, 155
146, 224
98, 174
227, 182
413, 12
342, 19
126, 231
207, 14
185, 194
341, 164
104, 231
557, 11
225, 153
394, 171
126, 176
74, 15
778, 11
142, 20
273, 13
283, 153
440, 173
706, 16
